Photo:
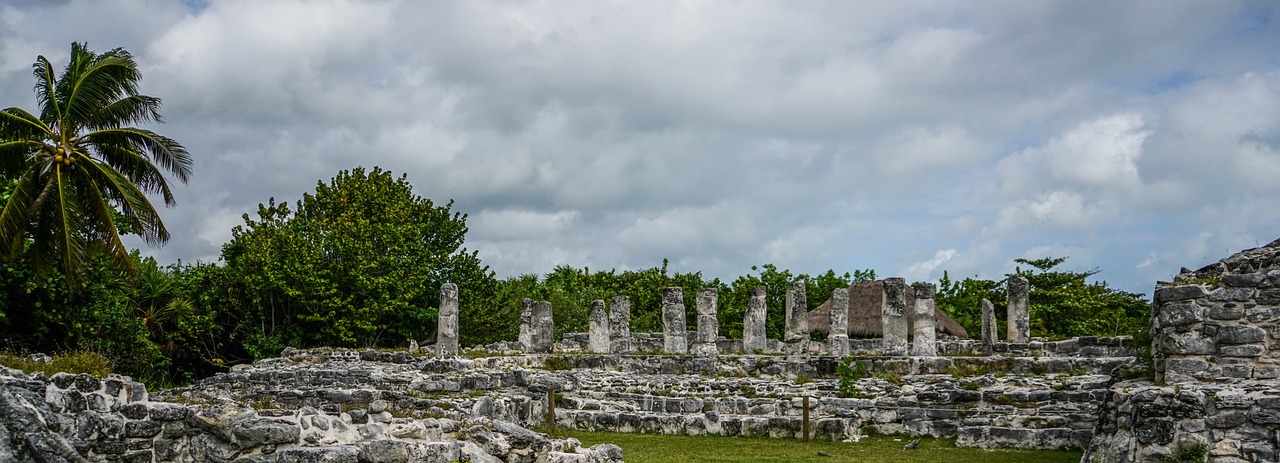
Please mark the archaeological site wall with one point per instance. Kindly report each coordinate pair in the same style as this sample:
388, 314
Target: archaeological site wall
1216, 342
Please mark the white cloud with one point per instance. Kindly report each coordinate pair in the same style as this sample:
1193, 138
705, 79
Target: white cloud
722, 134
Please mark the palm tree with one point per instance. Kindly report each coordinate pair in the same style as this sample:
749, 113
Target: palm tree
80, 171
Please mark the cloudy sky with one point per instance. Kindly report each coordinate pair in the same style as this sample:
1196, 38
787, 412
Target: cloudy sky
908, 137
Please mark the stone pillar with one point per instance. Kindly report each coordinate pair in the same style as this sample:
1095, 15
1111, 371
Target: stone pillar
838, 340
526, 325
673, 322
893, 316
924, 338
447, 322
620, 325
796, 336
1019, 303
704, 345
989, 336
598, 334
543, 328
754, 340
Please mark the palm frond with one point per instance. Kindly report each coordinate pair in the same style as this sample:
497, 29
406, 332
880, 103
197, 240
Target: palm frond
46, 90
132, 202
162, 150
100, 81
132, 109
16, 215
105, 228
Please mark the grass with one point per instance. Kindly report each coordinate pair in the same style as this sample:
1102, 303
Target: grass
74, 362
651, 448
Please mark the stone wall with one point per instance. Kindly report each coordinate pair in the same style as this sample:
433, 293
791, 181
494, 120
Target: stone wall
995, 402
1215, 334
79, 418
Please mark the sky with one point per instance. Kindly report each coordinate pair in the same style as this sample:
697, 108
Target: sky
907, 137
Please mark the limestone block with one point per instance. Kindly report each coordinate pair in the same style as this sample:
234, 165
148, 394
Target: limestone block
893, 316
620, 325
1181, 313
598, 334
753, 323
924, 341
796, 332
1179, 293
1231, 294
1240, 334
989, 335
447, 326
1019, 329
542, 334
708, 324
1186, 344
674, 340
838, 340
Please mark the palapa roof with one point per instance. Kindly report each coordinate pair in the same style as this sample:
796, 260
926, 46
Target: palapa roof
865, 299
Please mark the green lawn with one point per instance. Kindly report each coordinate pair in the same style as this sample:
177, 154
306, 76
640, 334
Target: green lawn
650, 448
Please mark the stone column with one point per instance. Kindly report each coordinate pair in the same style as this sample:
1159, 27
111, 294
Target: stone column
673, 322
704, 345
796, 336
543, 328
620, 325
1019, 304
838, 340
598, 334
924, 339
988, 327
754, 340
526, 325
447, 322
893, 317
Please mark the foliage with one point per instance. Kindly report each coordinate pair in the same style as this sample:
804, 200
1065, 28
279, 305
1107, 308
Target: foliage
571, 290
74, 362
82, 173
1061, 303
850, 371
360, 262
962, 301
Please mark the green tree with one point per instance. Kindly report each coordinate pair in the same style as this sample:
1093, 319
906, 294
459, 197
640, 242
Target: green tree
83, 172
1062, 303
359, 262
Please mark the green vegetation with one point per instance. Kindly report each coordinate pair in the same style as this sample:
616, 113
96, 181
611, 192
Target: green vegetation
80, 174
91, 363
650, 448
1062, 304
850, 371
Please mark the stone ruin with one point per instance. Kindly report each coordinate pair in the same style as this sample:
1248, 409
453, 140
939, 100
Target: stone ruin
1215, 339
1215, 335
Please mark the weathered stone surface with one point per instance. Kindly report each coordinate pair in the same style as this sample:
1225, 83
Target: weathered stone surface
1187, 343
525, 337
1019, 329
1179, 293
598, 333
620, 325
543, 334
753, 323
447, 326
893, 317
989, 336
924, 339
1178, 314
838, 340
673, 321
708, 324
1240, 334
796, 333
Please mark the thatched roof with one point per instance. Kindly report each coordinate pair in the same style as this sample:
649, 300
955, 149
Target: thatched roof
865, 299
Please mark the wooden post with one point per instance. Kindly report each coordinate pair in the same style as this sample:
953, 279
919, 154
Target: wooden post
551, 411
805, 425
